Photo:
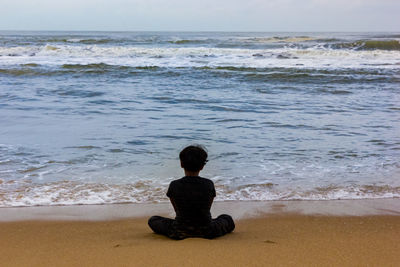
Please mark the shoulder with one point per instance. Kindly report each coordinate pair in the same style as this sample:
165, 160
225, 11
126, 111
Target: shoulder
210, 186
207, 181
175, 183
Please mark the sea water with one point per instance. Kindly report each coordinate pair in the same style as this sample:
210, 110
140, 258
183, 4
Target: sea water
100, 117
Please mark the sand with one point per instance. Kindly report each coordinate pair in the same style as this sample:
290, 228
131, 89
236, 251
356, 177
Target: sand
267, 239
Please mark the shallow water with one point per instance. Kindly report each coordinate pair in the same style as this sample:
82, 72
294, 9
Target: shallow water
98, 117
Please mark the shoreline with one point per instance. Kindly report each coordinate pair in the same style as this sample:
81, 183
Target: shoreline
237, 209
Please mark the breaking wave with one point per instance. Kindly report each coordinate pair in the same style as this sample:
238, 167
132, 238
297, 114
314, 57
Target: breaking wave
356, 55
390, 45
189, 41
265, 192
283, 39
25, 193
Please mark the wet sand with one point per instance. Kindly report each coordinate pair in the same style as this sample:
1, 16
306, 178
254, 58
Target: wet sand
275, 236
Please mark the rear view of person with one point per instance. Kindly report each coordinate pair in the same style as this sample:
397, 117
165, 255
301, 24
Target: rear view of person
192, 197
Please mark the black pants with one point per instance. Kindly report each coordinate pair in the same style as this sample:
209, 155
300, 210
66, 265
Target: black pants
220, 226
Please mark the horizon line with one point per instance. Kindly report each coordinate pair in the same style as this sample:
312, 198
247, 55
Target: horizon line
204, 31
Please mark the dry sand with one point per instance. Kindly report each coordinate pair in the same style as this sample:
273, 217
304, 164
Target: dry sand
273, 239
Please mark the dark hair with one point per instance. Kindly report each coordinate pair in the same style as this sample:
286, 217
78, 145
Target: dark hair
193, 158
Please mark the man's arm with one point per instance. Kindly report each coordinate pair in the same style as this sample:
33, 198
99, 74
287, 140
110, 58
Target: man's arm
170, 194
173, 203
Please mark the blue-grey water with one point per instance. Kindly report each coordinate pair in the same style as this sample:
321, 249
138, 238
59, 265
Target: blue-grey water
100, 117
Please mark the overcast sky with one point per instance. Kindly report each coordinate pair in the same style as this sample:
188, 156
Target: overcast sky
201, 15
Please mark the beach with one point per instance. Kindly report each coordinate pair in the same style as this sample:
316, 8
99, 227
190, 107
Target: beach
301, 130
291, 233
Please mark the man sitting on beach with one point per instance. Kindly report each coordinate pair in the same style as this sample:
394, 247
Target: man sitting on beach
192, 197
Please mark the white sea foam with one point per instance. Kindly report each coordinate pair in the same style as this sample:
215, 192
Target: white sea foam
24, 193
56, 55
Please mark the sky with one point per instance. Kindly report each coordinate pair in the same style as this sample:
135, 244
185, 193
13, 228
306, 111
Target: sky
201, 15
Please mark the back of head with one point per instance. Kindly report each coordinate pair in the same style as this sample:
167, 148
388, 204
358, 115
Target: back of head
193, 158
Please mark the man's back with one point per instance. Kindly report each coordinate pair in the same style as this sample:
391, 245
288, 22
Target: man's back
192, 197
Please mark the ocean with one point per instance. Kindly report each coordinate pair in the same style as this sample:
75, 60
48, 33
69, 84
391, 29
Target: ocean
100, 117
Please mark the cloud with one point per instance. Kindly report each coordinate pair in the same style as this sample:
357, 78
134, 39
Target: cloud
234, 15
